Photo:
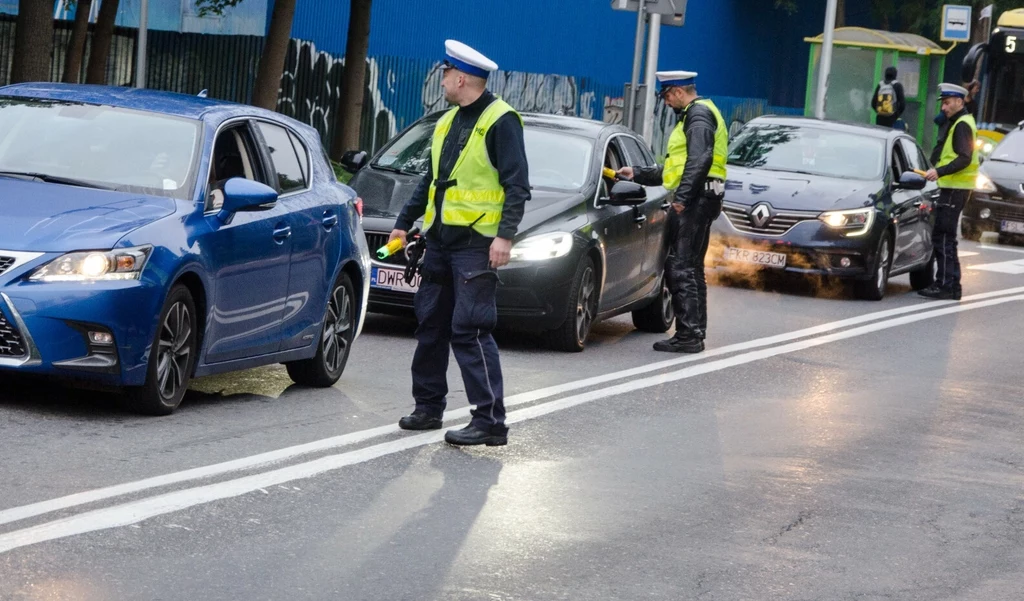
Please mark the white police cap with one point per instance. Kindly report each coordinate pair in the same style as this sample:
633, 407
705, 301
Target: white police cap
947, 90
467, 60
676, 78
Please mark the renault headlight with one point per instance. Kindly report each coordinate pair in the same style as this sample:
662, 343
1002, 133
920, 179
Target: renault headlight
95, 266
542, 247
855, 222
984, 184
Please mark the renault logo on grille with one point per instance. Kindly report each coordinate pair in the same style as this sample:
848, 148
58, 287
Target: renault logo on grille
760, 215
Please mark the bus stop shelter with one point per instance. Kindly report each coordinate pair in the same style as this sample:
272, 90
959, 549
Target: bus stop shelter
859, 59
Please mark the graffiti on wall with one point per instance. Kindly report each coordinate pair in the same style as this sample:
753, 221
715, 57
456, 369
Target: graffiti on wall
312, 80
527, 92
311, 92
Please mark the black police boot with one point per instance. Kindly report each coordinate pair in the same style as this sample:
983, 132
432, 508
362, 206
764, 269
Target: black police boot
419, 421
471, 435
941, 293
949, 294
680, 343
930, 292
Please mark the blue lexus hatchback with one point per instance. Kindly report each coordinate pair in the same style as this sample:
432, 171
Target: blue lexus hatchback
147, 238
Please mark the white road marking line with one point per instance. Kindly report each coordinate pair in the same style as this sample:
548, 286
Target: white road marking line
143, 509
15, 514
966, 253
1002, 248
1015, 267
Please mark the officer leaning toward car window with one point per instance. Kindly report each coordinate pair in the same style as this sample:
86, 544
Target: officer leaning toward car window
957, 172
472, 200
695, 171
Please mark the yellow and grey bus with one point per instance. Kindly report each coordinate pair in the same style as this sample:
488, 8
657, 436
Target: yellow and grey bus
999, 67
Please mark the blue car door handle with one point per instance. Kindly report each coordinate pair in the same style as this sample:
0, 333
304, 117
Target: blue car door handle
330, 220
282, 233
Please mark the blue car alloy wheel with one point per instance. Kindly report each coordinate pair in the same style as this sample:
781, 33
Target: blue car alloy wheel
171, 357
325, 367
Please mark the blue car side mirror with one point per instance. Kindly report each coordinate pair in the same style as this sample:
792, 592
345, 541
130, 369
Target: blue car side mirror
912, 181
242, 194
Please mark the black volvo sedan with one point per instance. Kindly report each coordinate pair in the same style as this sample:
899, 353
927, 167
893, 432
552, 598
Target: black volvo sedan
997, 204
588, 248
826, 198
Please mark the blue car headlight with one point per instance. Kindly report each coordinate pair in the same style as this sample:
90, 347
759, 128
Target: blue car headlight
95, 266
542, 247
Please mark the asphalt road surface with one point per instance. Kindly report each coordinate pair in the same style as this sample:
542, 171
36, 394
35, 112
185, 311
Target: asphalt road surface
822, 448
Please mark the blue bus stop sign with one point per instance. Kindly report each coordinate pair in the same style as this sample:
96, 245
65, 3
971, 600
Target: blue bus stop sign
956, 23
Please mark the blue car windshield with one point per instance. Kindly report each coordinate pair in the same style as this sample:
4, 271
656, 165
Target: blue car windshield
808, 150
127, 150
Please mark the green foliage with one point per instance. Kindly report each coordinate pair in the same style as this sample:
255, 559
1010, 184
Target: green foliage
341, 173
787, 5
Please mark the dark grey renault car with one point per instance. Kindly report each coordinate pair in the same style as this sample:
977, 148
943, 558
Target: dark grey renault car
825, 198
587, 249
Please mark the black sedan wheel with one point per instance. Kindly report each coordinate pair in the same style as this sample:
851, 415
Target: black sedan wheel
658, 316
171, 357
324, 368
580, 311
924, 277
875, 287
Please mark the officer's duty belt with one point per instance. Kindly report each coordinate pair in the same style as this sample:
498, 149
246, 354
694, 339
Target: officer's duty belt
714, 186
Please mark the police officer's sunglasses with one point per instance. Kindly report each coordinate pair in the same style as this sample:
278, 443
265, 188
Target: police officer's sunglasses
664, 91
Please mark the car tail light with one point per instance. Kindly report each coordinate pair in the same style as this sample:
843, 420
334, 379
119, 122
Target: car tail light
359, 206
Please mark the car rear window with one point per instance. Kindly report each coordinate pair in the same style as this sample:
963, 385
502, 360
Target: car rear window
808, 150
289, 157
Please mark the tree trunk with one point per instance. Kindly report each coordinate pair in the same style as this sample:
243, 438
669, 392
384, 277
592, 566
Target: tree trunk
268, 80
350, 105
840, 13
76, 46
33, 41
97, 71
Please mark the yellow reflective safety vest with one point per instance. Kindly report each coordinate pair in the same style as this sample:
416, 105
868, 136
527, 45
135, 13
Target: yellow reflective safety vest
675, 162
966, 178
477, 197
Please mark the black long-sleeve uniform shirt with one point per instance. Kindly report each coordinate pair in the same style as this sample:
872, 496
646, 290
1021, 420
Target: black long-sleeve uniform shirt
507, 151
699, 126
963, 144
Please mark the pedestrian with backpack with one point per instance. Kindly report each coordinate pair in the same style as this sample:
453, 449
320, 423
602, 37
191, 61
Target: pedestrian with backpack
888, 100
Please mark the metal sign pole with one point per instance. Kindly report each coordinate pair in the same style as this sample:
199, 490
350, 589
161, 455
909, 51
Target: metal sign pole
140, 59
652, 67
825, 65
638, 58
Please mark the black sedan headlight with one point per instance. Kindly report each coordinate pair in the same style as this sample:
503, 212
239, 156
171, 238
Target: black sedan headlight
542, 247
853, 222
94, 266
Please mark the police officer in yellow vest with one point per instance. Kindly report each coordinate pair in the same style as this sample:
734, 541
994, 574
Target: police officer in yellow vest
695, 171
471, 200
957, 173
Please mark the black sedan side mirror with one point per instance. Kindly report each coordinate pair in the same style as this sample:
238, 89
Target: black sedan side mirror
354, 160
627, 194
911, 181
